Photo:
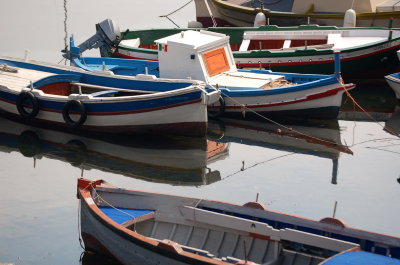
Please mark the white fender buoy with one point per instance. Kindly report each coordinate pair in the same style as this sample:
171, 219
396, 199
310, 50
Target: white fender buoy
349, 18
195, 24
259, 20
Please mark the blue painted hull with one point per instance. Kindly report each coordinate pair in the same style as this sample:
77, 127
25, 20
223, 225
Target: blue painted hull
111, 103
312, 96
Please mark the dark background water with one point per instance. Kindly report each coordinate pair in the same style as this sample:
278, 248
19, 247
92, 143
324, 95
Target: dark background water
291, 172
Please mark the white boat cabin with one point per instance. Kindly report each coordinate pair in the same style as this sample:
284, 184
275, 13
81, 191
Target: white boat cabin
206, 56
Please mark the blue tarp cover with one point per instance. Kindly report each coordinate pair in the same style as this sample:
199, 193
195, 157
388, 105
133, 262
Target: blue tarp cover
362, 258
121, 215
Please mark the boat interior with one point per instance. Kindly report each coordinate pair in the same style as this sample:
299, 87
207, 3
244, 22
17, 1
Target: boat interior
17, 78
245, 39
220, 236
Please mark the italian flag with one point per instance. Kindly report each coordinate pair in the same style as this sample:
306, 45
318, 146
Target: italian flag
163, 47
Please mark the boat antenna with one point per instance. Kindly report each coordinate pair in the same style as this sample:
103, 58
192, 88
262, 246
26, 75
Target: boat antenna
65, 24
334, 210
166, 16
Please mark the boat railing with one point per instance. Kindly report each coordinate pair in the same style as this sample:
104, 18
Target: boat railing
84, 85
264, 230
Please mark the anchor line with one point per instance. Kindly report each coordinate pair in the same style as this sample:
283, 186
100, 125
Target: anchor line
366, 113
256, 164
97, 196
166, 16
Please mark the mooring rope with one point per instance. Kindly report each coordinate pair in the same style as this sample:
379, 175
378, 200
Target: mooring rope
166, 16
256, 164
98, 197
366, 113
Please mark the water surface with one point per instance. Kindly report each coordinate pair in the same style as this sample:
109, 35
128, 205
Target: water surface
294, 172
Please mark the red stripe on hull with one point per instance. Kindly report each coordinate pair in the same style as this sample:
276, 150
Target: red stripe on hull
344, 59
116, 112
132, 57
325, 94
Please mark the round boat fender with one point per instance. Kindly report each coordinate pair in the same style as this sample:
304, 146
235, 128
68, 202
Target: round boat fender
71, 106
29, 144
27, 97
220, 111
75, 152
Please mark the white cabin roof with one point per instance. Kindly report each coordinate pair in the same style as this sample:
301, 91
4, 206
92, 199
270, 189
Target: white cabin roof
194, 39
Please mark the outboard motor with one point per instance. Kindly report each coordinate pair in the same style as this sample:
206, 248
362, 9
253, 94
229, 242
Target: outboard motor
107, 38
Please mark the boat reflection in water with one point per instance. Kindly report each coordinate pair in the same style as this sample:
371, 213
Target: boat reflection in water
392, 125
321, 139
172, 160
376, 99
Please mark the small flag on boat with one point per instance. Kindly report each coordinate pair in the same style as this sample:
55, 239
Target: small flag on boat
162, 47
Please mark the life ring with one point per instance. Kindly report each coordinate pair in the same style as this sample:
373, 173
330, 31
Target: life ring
74, 106
27, 98
221, 109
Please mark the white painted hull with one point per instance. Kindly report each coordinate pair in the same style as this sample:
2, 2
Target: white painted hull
168, 229
176, 111
320, 98
95, 234
394, 83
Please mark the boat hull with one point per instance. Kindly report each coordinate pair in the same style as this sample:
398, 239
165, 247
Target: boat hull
105, 239
146, 228
227, 14
370, 60
321, 100
394, 82
181, 111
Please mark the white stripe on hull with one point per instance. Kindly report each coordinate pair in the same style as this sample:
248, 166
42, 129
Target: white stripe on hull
195, 112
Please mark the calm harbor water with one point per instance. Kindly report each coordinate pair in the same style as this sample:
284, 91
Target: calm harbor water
292, 172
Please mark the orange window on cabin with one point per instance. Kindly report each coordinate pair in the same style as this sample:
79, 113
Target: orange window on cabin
216, 61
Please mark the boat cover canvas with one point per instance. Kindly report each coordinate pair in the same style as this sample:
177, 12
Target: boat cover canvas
361, 258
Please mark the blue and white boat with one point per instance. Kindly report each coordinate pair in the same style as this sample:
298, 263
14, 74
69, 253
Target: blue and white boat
99, 101
207, 56
139, 227
394, 82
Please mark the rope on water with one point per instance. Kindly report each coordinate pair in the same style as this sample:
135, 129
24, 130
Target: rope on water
245, 108
256, 164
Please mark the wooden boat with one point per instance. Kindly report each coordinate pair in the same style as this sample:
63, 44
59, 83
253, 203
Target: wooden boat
206, 56
72, 98
243, 13
183, 161
365, 52
138, 227
394, 82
